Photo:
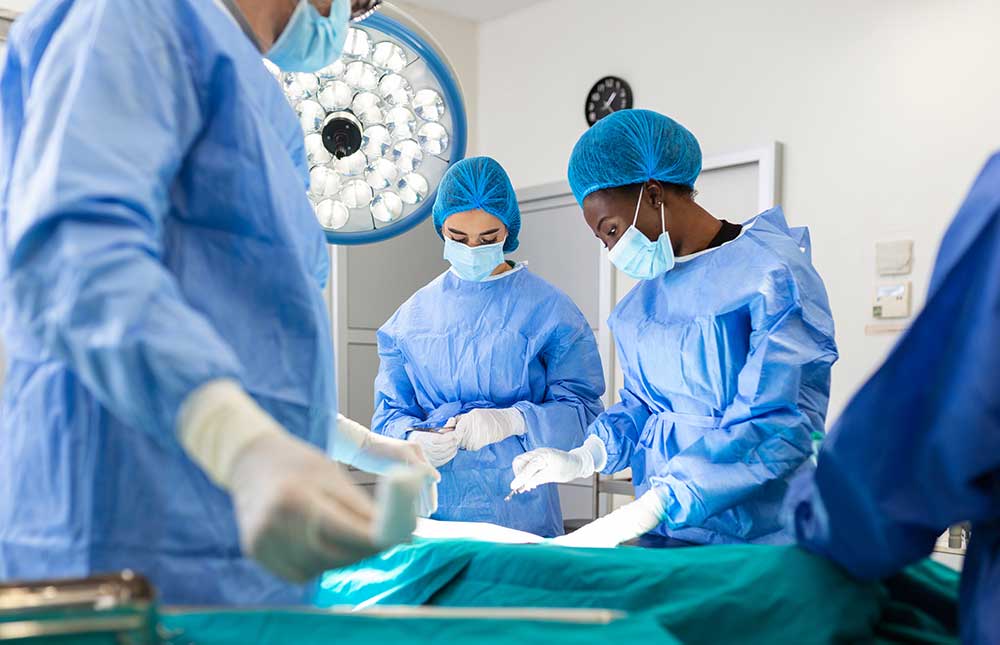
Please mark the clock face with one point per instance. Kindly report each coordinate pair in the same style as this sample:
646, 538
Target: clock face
609, 95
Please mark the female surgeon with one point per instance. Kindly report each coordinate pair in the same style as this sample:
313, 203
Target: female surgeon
487, 361
726, 346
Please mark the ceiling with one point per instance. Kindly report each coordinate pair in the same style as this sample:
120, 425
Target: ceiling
476, 10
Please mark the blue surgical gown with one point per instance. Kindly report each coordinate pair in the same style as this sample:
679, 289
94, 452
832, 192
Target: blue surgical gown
918, 447
511, 341
155, 236
726, 360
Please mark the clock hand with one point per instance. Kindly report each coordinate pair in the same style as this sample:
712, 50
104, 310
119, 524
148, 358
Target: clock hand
607, 104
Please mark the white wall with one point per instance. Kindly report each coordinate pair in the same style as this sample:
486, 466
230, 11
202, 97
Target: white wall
459, 39
16, 5
887, 110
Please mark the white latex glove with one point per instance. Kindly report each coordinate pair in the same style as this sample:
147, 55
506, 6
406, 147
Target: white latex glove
357, 446
479, 428
547, 465
629, 521
439, 447
298, 512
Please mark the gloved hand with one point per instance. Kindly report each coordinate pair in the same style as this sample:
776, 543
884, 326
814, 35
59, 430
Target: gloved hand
547, 465
298, 512
439, 447
357, 446
629, 521
479, 428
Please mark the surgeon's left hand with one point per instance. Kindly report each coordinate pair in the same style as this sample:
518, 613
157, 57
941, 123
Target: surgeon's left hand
356, 445
479, 428
628, 522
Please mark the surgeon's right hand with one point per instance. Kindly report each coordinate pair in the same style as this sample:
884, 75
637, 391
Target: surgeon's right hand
298, 512
438, 447
548, 465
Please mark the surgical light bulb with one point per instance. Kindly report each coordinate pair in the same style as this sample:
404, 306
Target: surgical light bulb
407, 155
331, 72
356, 194
352, 165
395, 90
294, 88
401, 123
311, 115
375, 141
389, 57
361, 76
367, 106
428, 105
316, 152
336, 96
433, 138
332, 214
358, 45
381, 173
413, 188
324, 182
387, 207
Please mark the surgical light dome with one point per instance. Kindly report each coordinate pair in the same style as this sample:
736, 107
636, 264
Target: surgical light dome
381, 127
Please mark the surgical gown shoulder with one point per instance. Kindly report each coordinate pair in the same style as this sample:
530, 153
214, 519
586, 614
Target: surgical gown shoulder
151, 22
766, 268
522, 298
223, 68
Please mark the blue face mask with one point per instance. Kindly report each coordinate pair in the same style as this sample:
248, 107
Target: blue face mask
474, 263
640, 258
310, 41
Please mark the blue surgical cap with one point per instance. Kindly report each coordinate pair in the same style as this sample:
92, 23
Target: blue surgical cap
632, 147
479, 183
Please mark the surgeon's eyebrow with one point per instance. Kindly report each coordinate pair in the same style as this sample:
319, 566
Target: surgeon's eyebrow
458, 233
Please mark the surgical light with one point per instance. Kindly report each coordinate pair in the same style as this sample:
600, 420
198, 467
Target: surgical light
381, 127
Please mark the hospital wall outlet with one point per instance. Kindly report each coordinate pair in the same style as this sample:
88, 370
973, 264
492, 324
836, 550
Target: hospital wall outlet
892, 300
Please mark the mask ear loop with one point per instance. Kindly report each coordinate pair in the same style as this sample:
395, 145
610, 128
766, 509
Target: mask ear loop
635, 219
663, 214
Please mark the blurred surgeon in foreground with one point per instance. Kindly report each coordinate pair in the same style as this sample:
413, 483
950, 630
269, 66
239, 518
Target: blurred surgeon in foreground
170, 391
918, 447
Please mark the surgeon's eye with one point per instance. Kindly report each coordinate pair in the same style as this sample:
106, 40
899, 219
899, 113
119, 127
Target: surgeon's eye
488, 240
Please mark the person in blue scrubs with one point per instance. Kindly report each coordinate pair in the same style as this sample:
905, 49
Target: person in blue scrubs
487, 361
170, 392
917, 449
726, 346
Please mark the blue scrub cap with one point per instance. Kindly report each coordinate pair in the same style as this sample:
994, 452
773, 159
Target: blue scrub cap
632, 147
479, 183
